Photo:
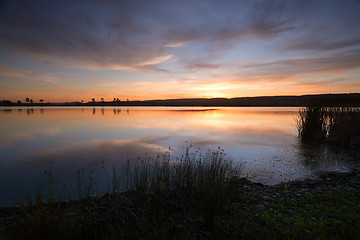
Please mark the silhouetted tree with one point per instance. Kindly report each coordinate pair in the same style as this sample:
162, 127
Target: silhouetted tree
82, 101
114, 100
31, 101
102, 99
93, 99
117, 100
41, 100
19, 102
27, 100
6, 102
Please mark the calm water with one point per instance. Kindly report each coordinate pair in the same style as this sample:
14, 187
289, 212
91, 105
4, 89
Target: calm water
68, 139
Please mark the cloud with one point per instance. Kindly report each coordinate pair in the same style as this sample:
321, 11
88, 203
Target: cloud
175, 44
206, 65
337, 62
5, 71
156, 60
321, 82
126, 35
312, 43
82, 37
9, 72
212, 46
48, 79
270, 18
262, 21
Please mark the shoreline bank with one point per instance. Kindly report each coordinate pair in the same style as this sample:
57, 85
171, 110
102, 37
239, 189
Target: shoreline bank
309, 208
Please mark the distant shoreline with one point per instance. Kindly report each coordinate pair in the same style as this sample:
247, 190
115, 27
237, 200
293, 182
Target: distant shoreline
346, 99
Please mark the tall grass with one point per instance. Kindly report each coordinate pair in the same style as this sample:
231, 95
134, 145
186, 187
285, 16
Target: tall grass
337, 125
153, 190
199, 177
195, 178
344, 126
85, 184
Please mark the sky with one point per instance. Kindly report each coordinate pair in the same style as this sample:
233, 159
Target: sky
72, 50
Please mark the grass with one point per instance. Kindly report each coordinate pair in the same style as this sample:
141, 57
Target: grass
42, 221
198, 196
154, 188
317, 214
336, 125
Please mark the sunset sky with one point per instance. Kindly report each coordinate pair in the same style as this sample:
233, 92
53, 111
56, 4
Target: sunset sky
68, 50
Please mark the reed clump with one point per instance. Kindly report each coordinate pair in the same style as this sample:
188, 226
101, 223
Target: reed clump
336, 125
197, 179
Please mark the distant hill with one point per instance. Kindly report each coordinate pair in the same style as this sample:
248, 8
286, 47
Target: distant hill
278, 101
346, 99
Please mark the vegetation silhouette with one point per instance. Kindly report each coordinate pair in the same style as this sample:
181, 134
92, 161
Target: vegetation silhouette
197, 197
158, 186
335, 125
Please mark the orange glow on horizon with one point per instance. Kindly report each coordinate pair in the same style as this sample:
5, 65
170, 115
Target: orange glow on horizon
176, 89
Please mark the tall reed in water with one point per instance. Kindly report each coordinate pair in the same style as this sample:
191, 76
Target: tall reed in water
337, 125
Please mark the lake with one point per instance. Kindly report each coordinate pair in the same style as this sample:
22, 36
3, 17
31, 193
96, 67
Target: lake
263, 140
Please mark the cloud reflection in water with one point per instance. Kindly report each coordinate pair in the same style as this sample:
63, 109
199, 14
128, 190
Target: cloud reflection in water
68, 139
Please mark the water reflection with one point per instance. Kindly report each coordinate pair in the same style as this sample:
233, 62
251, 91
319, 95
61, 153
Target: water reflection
327, 158
89, 154
264, 139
